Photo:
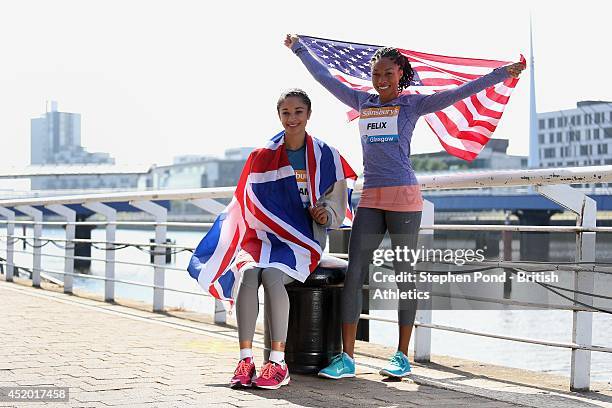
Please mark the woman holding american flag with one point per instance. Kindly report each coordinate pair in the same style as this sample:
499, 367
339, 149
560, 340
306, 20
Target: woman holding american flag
391, 199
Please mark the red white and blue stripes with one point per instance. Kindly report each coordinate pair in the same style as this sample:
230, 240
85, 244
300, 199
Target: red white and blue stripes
265, 224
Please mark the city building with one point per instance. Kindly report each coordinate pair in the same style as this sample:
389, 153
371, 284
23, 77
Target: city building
56, 139
238, 153
493, 156
576, 137
193, 171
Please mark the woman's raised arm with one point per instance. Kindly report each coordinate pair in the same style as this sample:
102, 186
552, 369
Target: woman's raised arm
346, 95
440, 100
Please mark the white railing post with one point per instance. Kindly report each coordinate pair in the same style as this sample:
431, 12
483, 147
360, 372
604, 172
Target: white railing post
214, 207
422, 335
10, 242
109, 256
161, 216
70, 216
36, 247
582, 322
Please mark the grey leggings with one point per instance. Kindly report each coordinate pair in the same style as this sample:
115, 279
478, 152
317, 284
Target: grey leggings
275, 296
369, 229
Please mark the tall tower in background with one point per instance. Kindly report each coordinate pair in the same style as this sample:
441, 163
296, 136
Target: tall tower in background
56, 139
534, 158
54, 133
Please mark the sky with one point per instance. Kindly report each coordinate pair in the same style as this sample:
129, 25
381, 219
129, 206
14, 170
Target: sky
157, 79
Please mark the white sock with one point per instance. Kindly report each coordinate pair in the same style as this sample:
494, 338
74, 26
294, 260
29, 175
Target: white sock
246, 352
277, 357
350, 358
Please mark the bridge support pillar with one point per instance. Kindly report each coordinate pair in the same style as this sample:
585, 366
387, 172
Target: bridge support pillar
82, 248
109, 256
10, 242
534, 246
488, 241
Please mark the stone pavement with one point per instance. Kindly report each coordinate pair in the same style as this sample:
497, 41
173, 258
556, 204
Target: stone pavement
112, 355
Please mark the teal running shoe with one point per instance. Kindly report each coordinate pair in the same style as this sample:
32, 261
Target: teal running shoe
398, 366
341, 366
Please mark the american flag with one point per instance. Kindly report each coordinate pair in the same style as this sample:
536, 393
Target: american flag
463, 128
265, 224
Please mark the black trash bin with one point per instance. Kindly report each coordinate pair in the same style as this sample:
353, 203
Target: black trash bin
314, 334
168, 251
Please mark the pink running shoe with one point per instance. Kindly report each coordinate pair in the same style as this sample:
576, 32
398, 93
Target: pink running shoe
273, 376
244, 374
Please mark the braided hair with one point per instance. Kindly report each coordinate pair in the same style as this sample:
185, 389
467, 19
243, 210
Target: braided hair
295, 92
394, 55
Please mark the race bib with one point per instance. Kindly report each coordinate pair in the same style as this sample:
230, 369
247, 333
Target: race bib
302, 182
379, 125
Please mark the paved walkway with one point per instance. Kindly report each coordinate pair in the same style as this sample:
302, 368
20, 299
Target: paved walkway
111, 355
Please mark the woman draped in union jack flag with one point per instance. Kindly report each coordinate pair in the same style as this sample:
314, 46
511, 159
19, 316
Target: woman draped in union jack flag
274, 232
391, 199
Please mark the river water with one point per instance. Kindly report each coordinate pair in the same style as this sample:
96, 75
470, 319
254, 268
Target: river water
553, 325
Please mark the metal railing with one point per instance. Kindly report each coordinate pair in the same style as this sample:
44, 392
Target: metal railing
551, 183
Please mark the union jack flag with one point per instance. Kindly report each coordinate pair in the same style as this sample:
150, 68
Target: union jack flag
265, 224
463, 128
